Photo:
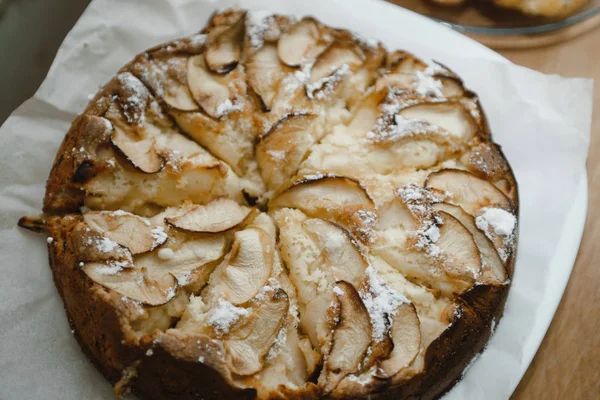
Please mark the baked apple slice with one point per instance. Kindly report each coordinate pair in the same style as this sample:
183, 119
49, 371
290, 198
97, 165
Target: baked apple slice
337, 199
248, 344
302, 43
317, 254
265, 71
280, 151
350, 338
245, 270
129, 230
492, 269
224, 46
406, 337
211, 91
468, 191
217, 216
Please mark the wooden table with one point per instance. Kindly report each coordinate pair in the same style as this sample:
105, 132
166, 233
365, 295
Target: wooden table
567, 364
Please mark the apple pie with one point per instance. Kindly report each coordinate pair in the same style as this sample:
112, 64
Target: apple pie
273, 208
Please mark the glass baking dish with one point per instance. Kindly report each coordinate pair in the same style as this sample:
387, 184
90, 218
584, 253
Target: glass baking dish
500, 28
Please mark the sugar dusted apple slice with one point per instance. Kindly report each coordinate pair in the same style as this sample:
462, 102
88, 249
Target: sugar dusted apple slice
404, 62
492, 269
167, 77
89, 245
406, 336
217, 216
186, 258
265, 71
139, 150
461, 257
449, 115
208, 90
129, 230
351, 336
244, 272
468, 191
301, 43
132, 282
341, 255
281, 150
337, 199
499, 226
248, 344
332, 59
224, 46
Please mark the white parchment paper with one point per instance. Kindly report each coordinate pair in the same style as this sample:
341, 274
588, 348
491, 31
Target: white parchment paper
542, 122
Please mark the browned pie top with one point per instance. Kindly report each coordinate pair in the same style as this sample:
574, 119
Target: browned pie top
289, 204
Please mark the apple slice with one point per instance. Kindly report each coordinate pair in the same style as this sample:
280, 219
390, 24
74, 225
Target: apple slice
189, 259
406, 337
281, 150
207, 89
468, 191
217, 216
140, 151
396, 214
265, 71
168, 78
350, 339
341, 255
248, 344
449, 115
461, 257
301, 43
129, 230
337, 199
89, 245
404, 62
132, 282
224, 46
333, 58
245, 270
493, 269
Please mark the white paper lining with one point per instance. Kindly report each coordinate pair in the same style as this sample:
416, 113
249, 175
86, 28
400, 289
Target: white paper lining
543, 123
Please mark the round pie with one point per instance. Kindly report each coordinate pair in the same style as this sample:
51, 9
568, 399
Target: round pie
274, 208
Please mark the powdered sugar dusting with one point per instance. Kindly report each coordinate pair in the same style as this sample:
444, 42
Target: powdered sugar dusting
325, 86
224, 315
278, 345
498, 221
428, 85
105, 245
381, 301
112, 268
226, 108
134, 103
276, 155
392, 126
257, 22
159, 235
365, 41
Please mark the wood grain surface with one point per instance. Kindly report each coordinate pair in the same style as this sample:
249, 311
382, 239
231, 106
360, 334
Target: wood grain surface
567, 364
